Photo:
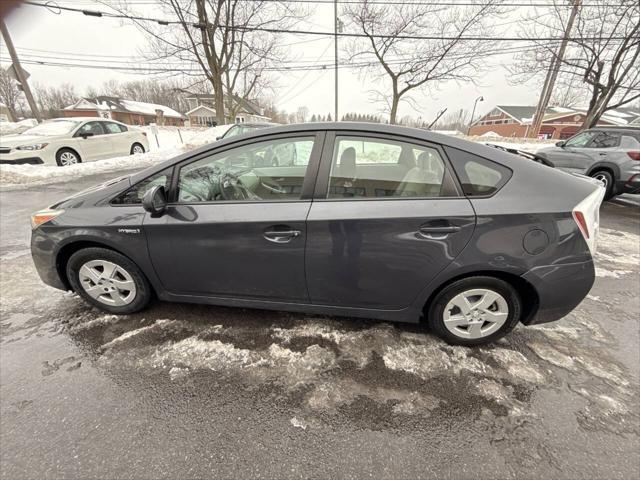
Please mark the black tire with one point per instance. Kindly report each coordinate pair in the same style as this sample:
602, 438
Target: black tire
607, 178
60, 157
143, 294
435, 316
137, 145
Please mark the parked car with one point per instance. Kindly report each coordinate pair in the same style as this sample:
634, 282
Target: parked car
241, 128
362, 220
610, 154
67, 141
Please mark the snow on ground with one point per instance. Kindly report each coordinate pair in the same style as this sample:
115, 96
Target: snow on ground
172, 141
10, 128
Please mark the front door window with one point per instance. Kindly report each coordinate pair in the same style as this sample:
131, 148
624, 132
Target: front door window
265, 171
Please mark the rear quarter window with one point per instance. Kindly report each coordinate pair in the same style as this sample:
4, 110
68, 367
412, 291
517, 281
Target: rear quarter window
478, 176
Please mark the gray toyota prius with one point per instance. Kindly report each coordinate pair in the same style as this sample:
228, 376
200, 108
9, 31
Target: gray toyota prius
352, 219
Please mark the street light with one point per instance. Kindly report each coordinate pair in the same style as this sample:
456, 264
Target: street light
473, 112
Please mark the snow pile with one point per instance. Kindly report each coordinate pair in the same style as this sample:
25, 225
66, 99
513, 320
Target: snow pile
210, 135
490, 135
44, 174
172, 141
169, 137
11, 128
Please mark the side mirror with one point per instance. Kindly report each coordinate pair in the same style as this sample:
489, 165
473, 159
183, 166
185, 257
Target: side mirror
86, 135
560, 143
155, 200
219, 138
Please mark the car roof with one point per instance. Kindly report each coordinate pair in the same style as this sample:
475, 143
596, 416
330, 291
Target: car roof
507, 159
82, 119
633, 128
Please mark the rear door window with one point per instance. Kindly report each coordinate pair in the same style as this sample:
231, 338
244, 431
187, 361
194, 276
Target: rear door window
479, 177
365, 167
605, 140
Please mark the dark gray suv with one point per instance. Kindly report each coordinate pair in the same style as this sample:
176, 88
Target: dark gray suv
346, 219
610, 154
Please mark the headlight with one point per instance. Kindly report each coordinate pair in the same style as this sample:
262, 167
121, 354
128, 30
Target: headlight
44, 216
33, 146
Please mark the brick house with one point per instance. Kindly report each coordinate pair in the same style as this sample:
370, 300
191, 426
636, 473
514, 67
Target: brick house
202, 111
557, 123
125, 111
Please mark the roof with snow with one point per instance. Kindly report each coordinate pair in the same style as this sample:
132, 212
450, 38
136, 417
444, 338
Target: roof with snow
122, 105
247, 105
524, 114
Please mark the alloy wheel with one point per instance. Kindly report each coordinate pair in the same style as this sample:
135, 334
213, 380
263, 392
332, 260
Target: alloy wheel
138, 149
603, 178
107, 283
476, 313
68, 158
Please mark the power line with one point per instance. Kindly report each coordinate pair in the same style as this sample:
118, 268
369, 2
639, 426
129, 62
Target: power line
97, 14
506, 3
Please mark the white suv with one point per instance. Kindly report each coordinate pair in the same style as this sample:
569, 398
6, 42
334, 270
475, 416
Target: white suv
67, 141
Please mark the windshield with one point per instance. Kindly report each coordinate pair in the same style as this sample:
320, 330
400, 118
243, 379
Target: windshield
58, 127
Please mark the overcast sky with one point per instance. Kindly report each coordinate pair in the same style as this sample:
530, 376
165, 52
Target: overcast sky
36, 30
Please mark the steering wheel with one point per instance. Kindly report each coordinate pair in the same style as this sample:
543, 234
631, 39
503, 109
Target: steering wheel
231, 188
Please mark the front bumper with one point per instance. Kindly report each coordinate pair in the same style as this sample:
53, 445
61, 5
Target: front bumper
43, 252
25, 157
560, 289
22, 161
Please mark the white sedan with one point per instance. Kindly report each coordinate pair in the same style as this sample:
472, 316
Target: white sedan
67, 141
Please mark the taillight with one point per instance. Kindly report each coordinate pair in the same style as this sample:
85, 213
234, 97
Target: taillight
582, 223
635, 154
587, 216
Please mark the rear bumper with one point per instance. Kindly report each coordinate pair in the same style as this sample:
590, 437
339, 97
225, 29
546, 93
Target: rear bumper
560, 289
630, 186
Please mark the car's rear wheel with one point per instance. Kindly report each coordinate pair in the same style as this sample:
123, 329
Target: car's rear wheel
607, 179
475, 310
136, 148
108, 280
66, 157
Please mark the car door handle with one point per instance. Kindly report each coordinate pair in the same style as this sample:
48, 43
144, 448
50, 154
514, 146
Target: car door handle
438, 232
602, 153
281, 236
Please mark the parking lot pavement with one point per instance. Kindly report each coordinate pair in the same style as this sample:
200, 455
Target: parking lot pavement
191, 391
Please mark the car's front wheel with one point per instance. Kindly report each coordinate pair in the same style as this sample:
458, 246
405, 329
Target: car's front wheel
66, 157
475, 310
108, 280
136, 148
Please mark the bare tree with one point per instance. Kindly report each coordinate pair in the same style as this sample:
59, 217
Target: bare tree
456, 120
53, 99
9, 93
568, 95
603, 53
392, 53
218, 39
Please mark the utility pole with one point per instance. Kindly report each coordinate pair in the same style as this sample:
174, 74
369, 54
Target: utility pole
19, 72
335, 45
552, 75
